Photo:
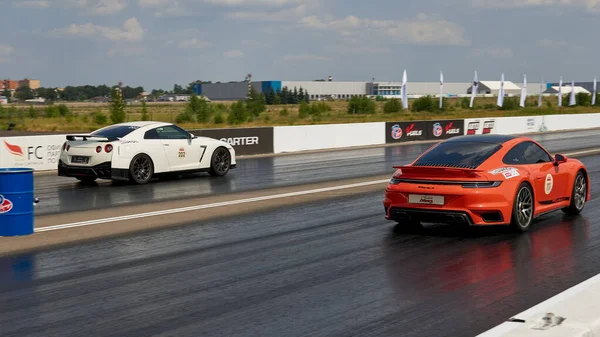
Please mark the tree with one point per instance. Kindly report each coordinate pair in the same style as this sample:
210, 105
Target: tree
238, 113
117, 106
285, 96
6, 93
277, 97
270, 98
294, 96
256, 103
145, 116
301, 95
24, 93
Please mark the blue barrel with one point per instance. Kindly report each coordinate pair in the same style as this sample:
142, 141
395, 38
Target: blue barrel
16, 201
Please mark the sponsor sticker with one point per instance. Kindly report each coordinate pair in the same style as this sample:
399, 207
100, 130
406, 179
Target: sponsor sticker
472, 128
411, 130
507, 172
451, 129
5, 205
437, 129
548, 184
181, 153
488, 127
396, 132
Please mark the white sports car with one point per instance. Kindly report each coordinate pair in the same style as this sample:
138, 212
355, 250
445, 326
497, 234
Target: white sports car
139, 151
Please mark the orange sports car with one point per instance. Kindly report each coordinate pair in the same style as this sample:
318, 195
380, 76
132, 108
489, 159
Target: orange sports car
479, 180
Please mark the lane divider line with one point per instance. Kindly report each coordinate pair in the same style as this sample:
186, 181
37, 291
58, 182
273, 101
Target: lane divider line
235, 202
206, 206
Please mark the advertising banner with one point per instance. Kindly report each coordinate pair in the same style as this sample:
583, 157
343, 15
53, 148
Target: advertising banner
399, 132
36, 152
445, 129
245, 141
480, 126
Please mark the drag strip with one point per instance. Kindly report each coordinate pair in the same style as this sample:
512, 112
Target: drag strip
62, 195
324, 268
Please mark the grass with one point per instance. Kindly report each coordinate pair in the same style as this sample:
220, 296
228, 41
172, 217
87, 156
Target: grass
83, 116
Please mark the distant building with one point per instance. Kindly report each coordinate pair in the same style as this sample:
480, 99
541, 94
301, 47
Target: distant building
566, 89
588, 86
3, 100
32, 84
10, 84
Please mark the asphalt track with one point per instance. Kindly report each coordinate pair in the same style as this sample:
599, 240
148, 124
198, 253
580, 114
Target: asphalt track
61, 195
334, 268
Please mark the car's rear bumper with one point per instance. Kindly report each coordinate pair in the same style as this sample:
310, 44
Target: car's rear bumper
100, 171
469, 206
446, 216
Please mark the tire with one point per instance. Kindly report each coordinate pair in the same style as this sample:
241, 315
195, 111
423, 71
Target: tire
141, 169
578, 195
523, 208
86, 179
220, 162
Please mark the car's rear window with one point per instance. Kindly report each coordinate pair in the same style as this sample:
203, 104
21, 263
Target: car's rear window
115, 132
458, 154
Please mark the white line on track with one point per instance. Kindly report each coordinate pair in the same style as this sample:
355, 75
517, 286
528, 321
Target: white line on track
235, 202
199, 207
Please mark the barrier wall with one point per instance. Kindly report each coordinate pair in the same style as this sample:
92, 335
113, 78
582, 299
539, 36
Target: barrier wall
42, 152
328, 136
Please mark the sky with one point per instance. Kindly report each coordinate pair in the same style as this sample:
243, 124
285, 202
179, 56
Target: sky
157, 43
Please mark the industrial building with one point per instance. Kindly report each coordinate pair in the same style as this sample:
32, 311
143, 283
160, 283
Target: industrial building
588, 86
345, 90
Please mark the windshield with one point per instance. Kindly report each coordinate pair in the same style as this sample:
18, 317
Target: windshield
115, 132
458, 154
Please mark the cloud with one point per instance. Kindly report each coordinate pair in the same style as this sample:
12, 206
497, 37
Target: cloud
423, 30
132, 31
231, 3
153, 3
32, 4
5, 52
548, 43
107, 7
281, 15
590, 5
233, 54
125, 51
494, 52
193, 43
306, 57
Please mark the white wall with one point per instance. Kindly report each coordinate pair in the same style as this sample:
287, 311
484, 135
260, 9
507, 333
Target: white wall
316, 137
328, 88
37, 152
508, 125
572, 121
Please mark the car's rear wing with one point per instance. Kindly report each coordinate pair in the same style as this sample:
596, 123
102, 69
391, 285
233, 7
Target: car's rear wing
434, 171
86, 137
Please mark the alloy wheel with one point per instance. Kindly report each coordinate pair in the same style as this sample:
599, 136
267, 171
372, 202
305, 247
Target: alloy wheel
580, 191
524, 207
221, 163
141, 168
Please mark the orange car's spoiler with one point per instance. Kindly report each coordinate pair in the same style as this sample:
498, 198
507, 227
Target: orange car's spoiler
437, 171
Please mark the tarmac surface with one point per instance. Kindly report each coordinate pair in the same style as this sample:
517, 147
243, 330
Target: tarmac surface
334, 267
61, 194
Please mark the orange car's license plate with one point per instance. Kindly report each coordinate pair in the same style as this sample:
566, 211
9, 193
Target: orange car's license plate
426, 199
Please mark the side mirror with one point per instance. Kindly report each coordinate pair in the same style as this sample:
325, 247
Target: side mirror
559, 158
191, 136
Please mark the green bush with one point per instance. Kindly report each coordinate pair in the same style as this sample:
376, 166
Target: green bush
510, 103
392, 106
218, 118
361, 105
238, 113
424, 103
100, 118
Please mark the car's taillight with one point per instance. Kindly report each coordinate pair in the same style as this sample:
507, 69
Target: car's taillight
108, 148
98, 149
482, 184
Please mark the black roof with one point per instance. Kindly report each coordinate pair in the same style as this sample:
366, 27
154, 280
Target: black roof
489, 138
